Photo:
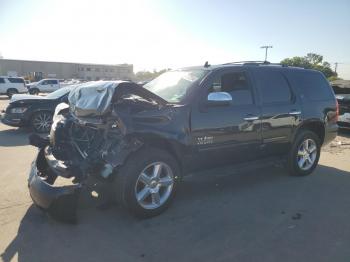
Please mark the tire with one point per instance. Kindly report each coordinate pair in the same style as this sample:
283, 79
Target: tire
11, 91
41, 122
34, 91
305, 153
130, 185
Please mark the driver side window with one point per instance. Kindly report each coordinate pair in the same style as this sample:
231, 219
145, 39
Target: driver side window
236, 84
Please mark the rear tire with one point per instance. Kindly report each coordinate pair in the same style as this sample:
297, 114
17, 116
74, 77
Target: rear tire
140, 190
12, 91
41, 122
34, 91
304, 154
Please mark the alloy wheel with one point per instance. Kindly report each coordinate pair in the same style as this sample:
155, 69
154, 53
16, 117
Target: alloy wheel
154, 185
307, 154
42, 122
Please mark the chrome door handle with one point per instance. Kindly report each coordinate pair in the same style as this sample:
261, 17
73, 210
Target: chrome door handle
251, 118
295, 113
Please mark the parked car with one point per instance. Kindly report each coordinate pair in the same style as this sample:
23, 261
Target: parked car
34, 111
140, 141
343, 98
44, 86
12, 85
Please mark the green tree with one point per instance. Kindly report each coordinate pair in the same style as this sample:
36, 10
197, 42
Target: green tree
311, 61
147, 75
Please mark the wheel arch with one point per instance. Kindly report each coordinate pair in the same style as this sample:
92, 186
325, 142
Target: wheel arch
314, 125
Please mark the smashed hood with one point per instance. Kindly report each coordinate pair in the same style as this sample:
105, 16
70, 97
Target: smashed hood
94, 99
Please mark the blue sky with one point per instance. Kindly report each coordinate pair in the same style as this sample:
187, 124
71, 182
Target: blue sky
170, 34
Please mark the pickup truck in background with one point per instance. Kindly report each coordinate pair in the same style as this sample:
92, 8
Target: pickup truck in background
44, 86
342, 93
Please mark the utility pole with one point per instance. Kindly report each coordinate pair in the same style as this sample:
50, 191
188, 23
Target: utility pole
336, 66
266, 47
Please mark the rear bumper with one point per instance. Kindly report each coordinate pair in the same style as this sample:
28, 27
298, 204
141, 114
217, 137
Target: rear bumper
58, 201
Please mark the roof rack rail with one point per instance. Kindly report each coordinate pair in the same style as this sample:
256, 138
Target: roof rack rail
256, 63
248, 62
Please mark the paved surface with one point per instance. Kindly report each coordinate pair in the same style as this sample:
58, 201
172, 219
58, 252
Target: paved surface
264, 215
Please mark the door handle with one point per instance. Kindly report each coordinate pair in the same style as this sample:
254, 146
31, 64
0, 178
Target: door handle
295, 113
251, 118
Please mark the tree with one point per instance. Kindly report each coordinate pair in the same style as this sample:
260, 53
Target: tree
147, 75
311, 61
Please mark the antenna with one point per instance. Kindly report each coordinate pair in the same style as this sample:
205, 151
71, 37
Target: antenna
266, 48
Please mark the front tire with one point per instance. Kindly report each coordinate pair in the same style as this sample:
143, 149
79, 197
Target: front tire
34, 91
305, 153
147, 182
41, 122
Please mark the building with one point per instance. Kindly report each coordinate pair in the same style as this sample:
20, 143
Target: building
36, 70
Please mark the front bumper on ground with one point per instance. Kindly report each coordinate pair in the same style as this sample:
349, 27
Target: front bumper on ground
59, 201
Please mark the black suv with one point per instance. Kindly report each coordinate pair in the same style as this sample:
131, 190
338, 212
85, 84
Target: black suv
142, 140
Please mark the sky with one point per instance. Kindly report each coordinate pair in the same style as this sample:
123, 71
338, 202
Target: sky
171, 34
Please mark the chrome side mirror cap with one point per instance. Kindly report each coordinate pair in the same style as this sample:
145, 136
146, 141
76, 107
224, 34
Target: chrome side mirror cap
219, 97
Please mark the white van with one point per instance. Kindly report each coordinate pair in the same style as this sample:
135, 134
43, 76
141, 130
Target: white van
12, 85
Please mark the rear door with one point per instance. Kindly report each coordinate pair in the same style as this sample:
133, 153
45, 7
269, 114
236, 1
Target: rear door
281, 110
225, 134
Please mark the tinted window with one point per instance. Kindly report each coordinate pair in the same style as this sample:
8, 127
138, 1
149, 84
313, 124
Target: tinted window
273, 87
2, 81
236, 85
311, 84
52, 82
16, 80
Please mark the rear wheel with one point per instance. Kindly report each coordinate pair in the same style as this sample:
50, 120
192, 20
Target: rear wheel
34, 91
41, 122
305, 153
147, 182
12, 91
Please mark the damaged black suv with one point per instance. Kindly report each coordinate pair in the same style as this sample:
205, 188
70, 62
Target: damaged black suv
142, 140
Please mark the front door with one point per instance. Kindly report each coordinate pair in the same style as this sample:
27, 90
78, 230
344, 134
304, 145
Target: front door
226, 133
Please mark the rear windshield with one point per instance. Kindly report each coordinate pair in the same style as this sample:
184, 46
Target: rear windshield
16, 80
311, 84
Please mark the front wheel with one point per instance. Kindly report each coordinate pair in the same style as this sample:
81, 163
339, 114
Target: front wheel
146, 184
41, 122
305, 153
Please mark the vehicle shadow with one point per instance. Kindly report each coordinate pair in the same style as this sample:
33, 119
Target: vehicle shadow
14, 137
247, 216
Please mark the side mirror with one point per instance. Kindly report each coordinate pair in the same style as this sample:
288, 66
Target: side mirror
219, 99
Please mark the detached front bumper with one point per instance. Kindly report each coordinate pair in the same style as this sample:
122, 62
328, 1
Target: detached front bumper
59, 201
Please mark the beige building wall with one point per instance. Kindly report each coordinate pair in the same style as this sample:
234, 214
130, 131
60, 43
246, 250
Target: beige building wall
63, 70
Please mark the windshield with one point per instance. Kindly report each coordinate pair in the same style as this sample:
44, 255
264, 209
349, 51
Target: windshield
58, 93
172, 86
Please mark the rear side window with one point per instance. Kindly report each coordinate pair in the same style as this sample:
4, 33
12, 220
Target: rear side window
311, 84
2, 80
52, 82
273, 87
16, 80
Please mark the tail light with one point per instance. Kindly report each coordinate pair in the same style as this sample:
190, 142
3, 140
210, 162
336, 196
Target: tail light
337, 111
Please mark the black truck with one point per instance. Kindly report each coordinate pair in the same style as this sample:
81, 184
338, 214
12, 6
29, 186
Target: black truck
141, 141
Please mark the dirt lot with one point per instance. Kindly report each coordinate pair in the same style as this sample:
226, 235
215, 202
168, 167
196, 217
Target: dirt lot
264, 215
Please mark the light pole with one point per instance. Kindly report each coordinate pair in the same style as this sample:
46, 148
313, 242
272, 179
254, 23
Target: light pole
266, 47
